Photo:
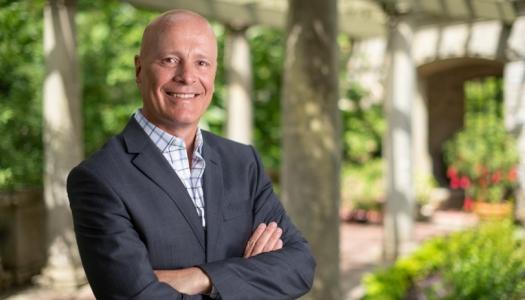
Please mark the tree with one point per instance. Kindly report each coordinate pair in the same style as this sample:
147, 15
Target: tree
311, 134
21, 94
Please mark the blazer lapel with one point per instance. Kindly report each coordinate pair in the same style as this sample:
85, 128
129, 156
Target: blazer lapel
151, 162
213, 195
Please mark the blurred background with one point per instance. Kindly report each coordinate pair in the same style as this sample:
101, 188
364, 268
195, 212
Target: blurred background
392, 130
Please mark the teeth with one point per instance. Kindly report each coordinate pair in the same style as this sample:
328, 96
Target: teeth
183, 96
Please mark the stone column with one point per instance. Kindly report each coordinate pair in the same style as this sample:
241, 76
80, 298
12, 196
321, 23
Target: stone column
239, 74
62, 141
311, 141
400, 86
514, 101
421, 155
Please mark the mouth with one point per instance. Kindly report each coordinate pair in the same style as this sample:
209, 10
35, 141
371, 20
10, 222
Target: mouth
182, 95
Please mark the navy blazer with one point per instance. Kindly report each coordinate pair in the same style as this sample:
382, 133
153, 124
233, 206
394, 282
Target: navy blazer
132, 214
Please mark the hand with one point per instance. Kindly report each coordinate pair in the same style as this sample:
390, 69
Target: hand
189, 281
265, 238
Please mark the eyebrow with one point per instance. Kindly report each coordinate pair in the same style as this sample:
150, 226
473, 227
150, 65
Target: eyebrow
199, 55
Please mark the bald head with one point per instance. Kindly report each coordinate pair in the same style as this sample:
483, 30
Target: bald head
176, 18
175, 71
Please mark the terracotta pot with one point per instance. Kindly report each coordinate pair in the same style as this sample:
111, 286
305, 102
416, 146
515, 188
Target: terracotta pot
487, 210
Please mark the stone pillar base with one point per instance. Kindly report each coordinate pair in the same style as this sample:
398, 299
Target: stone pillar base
63, 269
63, 279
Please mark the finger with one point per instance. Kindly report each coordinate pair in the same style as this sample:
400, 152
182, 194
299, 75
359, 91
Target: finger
253, 239
272, 242
279, 245
263, 239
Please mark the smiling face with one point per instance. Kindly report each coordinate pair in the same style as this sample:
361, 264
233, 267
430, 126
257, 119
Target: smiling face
175, 71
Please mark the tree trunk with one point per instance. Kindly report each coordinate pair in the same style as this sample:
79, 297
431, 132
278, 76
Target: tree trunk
311, 135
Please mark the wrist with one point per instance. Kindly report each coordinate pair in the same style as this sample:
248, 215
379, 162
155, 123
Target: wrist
204, 281
190, 281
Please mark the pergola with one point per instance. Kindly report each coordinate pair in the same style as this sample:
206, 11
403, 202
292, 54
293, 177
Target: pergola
354, 14
357, 18
360, 19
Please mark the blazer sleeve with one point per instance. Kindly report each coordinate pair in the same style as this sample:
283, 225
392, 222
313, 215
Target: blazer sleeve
114, 258
284, 274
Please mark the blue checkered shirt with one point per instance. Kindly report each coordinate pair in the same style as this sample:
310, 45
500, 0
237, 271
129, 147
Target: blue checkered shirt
174, 150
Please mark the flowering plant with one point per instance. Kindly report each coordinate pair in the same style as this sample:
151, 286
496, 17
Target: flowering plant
482, 158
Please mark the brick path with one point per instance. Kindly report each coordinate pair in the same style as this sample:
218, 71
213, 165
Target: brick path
360, 253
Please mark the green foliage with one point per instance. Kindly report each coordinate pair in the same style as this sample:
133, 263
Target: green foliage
108, 37
215, 116
21, 59
483, 263
363, 127
363, 185
482, 157
267, 50
394, 282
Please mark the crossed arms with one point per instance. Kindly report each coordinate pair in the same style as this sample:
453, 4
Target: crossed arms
193, 281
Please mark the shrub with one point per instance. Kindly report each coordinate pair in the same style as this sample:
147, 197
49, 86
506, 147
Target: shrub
394, 282
483, 263
488, 263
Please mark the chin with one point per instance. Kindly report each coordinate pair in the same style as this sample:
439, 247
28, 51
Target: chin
183, 122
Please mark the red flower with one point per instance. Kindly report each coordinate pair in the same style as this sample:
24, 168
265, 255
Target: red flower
455, 183
496, 176
513, 175
465, 182
452, 173
468, 204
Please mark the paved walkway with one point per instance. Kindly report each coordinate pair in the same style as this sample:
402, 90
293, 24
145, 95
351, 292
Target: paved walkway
360, 253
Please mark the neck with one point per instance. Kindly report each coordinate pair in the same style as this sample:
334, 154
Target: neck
187, 133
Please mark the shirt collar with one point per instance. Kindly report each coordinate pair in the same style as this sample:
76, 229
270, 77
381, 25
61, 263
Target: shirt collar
162, 139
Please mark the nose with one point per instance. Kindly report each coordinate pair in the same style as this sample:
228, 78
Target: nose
185, 74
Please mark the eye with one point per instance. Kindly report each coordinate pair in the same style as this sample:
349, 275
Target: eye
203, 63
170, 60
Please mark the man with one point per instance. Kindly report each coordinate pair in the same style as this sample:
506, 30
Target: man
167, 211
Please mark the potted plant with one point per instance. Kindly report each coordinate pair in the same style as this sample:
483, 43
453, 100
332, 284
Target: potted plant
482, 158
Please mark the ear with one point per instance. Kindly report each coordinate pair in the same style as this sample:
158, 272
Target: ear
138, 68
